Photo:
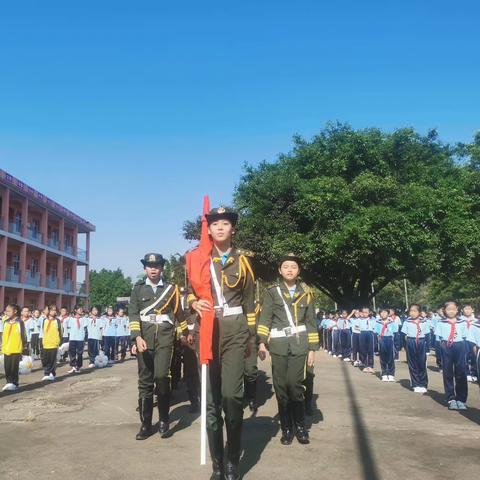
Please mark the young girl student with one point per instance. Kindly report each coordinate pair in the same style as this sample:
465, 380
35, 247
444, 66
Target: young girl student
469, 317
14, 344
385, 328
109, 332
415, 329
94, 330
51, 335
367, 340
451, 332
76, 330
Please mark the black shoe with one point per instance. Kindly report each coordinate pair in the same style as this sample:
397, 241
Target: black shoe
231, 471
215, 444
298, 413
163, 427
285, 424
217, 471
250, 394
145, 408
163, 400
194, 407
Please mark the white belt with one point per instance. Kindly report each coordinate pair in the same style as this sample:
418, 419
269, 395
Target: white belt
287, 331
230, 311
155, 318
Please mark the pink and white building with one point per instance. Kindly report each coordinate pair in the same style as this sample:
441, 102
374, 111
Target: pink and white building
44, 249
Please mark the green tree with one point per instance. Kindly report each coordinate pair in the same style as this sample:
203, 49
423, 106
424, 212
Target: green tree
175, 269
107, 285
363, 208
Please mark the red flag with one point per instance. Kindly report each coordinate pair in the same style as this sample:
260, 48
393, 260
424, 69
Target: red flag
198, 269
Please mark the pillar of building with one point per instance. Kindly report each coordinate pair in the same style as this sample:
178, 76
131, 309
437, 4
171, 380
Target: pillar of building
5, 208
44, 226
23, 262
60, 272
43, 268
3, 257
2, 299
75, 241
41, 300
20, 297
61, 233
24, 216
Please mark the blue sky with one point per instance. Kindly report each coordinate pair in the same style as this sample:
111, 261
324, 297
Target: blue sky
110, 107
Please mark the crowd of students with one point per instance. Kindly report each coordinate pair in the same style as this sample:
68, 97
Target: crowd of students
53, 336
452, 334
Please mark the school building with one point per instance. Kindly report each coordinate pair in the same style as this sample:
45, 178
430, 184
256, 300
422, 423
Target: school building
44, 249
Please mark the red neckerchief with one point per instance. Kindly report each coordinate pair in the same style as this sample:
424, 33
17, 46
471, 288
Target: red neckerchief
384, 326
78, 317
109, 320
453, 324
62, 318
469, 322
417, 323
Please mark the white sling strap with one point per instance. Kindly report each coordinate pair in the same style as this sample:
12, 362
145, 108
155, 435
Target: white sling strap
287, 310
218, 290
156, 302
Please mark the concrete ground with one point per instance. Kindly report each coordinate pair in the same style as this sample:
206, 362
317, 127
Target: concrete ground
83, 426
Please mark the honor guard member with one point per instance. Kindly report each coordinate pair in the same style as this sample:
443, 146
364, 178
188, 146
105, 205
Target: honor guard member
233, 291
154, 310
287, 325
251, 373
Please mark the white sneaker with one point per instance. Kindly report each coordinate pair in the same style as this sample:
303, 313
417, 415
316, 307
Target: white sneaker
329, 353
46, 377
8, 387
340, 356
391, 378
424, 390
92, 365
334, 356
51, 377
428, 353
72, 370
475, 379
346, 359
418, 390
355, 363
469, 378
384, 378
77, 370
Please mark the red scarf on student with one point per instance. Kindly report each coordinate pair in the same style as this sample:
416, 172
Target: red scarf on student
453, 324
78, 321
384, 327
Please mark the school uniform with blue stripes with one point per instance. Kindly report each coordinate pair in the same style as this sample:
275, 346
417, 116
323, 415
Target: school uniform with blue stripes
385, 330
367, 341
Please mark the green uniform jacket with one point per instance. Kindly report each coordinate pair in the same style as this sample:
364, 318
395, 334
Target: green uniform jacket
273, 315
237, 283
141, 297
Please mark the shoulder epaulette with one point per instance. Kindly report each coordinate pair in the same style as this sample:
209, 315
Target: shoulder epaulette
273, 285
246, 253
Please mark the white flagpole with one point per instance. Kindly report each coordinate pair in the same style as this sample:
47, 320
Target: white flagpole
203, 419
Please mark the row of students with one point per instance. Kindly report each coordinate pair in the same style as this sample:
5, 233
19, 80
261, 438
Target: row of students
39, 337
456, 338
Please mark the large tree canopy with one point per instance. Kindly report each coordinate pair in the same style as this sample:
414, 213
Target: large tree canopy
363, 208
107, 285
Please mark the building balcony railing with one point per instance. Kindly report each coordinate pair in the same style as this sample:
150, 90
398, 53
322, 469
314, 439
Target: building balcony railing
14, 227
68, 249
32, 278
13, 275
34, 235
52, 282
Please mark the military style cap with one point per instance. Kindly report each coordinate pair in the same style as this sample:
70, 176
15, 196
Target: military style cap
289, 257
153, 259
222, 213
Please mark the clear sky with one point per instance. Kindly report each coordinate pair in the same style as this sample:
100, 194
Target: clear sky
127, 112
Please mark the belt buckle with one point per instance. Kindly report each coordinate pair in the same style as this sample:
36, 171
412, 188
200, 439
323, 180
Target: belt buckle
288, 331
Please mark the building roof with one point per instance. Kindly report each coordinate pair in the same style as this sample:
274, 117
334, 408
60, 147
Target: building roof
39, 198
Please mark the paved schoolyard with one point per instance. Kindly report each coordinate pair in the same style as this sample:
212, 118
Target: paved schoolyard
84, 426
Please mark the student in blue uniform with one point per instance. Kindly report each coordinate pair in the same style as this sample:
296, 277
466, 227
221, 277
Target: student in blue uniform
355, 337
35, 334
397, 338
64, 317
470, 357
415, 328
385, 328
474, 337
335, 328
121, 333
76, 343
109, 334
367, 325
94, 330
452, 332
345, 336
439, 316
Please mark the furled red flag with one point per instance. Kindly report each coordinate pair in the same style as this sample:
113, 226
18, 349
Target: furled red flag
198, 269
